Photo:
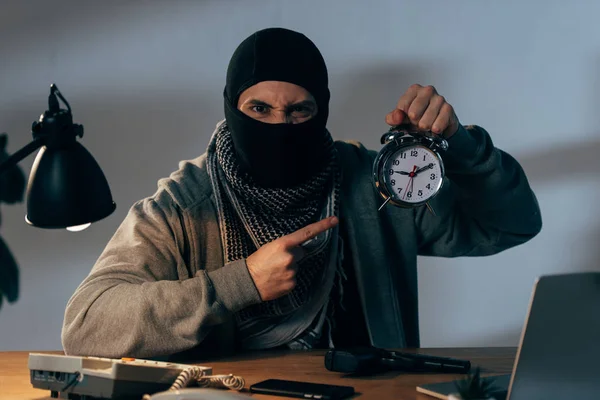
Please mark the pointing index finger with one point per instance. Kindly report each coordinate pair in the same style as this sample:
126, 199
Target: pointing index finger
309, 231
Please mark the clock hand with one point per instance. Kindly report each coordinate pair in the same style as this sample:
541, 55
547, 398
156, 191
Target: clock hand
412, 175
429, 166
413, 172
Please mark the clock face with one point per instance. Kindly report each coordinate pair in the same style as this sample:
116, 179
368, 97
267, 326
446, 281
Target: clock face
413, 174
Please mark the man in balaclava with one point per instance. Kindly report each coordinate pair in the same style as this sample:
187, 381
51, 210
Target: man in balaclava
275, 154
274, 237
273, 178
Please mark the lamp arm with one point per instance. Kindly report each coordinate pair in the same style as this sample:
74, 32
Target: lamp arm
21, 154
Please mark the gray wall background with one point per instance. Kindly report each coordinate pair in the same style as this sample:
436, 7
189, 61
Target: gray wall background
145, 78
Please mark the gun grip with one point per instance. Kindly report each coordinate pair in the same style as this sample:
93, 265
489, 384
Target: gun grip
352, 361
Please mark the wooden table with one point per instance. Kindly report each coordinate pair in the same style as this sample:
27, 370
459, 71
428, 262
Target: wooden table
302, 366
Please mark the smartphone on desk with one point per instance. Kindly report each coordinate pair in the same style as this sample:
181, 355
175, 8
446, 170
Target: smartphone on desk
303, 390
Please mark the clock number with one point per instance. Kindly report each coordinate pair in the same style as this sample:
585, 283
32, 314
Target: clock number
393, 182
403, 155
420, 193
414, 153
409, 194
399, 190
428, 186
396, 162
432, 176
391, 171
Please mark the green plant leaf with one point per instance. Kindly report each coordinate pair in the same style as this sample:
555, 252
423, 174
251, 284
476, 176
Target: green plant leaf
474, 387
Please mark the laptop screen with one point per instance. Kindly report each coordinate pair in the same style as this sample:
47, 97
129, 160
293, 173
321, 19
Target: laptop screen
559, 354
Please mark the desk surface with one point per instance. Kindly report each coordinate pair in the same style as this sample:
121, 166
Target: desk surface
302, 366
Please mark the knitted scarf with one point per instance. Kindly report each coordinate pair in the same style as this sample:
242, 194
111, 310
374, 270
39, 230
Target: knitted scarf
251, 216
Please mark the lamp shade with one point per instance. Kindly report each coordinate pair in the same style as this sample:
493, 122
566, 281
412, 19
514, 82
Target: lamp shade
67, 188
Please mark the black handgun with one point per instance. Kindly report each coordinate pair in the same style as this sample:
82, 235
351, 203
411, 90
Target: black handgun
370, 360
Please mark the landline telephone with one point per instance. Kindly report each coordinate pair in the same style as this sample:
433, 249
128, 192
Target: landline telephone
90, 378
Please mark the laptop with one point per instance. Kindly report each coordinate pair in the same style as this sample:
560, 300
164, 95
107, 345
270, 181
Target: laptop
559, 352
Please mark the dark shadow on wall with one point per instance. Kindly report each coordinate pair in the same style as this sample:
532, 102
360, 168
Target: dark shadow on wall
576, 161
12, 189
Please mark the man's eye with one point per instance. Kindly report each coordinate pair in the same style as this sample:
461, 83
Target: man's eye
259, 109
302, 111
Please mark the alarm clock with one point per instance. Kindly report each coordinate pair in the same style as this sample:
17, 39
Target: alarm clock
409, 171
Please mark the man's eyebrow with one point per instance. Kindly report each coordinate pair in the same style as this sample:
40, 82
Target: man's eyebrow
256, 102
304, 103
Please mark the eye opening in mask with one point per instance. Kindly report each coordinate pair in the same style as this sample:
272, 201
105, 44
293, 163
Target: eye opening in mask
294, 113
278, 102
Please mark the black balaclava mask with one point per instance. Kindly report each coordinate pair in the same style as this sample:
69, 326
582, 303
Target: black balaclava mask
278, 155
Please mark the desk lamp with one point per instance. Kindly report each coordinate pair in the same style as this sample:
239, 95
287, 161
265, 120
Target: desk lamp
66, 187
